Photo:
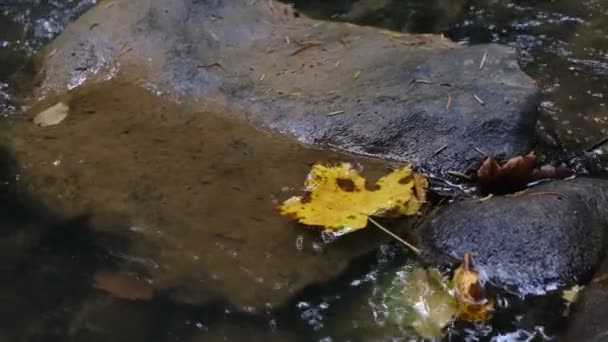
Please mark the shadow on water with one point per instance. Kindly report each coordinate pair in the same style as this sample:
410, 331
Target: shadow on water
47, 277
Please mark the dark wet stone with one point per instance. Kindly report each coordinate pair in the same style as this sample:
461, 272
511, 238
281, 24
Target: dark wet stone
245, 56
551, 235
589, 313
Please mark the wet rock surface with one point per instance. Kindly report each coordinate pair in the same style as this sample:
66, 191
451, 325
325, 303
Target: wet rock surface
551, 235
396, 96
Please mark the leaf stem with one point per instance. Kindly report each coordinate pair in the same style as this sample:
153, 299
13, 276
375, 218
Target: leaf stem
393, 235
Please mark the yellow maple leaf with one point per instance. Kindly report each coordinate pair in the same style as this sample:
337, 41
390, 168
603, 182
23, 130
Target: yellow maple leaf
473, 303
337, 198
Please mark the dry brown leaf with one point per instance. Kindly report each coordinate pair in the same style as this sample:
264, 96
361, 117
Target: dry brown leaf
514, 175
123, 286
489, 171
519, 169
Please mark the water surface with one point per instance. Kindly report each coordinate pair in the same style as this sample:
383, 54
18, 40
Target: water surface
47, 285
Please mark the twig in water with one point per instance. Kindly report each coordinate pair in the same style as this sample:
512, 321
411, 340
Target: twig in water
209, 66
449, 103
439, 150
306, 45
421, 81
480, 151
335, 113
517, 194
459, 174
483, 60
393, 235
546, 193
479, 99
597, 144
125, 48
483, 199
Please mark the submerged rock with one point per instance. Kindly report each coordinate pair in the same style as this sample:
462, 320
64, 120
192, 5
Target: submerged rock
193, 193
551, 235
359, 89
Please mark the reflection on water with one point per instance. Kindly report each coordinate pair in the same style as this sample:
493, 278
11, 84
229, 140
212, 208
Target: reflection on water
49, 262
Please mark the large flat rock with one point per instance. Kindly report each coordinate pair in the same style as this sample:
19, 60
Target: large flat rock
195, 195
396, 96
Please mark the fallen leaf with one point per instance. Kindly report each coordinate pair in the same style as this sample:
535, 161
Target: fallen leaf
123, 286
52, 115
473, 303
337, 198
420, 300
489, 171
519, 168
514, 175
570, 295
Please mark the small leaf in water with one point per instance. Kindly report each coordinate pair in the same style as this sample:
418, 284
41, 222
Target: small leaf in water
420, 300
570, 295
52, 115
123, 286
473, 303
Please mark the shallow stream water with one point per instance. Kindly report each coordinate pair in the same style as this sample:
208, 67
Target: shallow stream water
49, 264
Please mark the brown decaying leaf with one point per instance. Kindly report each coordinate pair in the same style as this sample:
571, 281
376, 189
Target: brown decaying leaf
515, 174
489, 171
123, 286
512, 176
519, 168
